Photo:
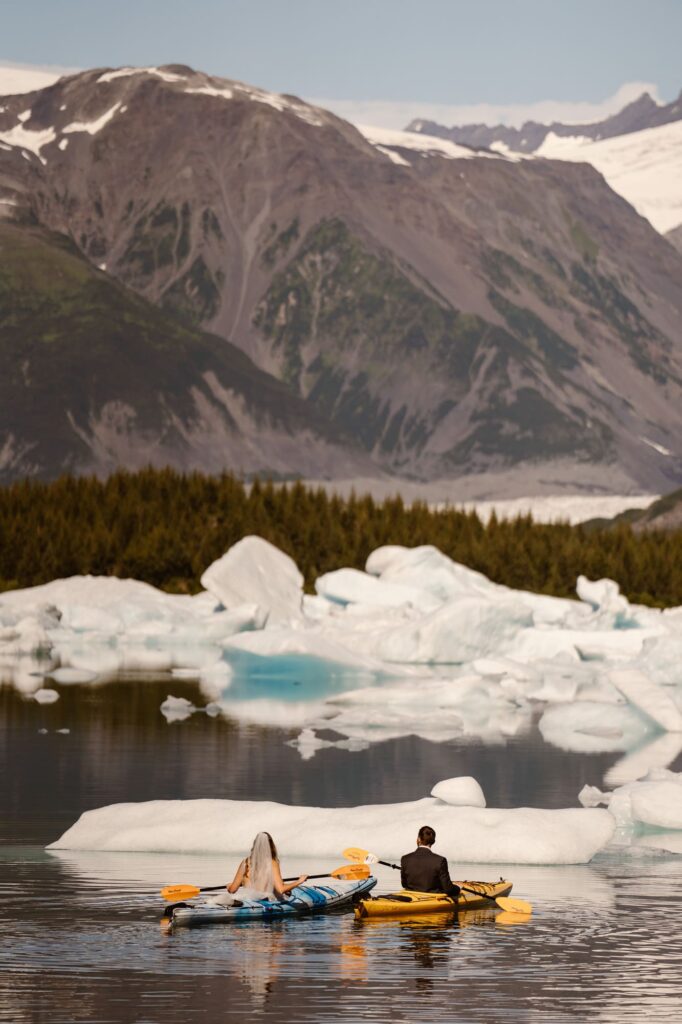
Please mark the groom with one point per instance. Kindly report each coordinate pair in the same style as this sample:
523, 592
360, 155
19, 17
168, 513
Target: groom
424, 871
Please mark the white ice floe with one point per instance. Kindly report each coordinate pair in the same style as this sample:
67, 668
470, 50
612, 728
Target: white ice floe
45, 695
463, 791
472, 834
649, 698
588, 727
177, 709
254, 571
308, 743
350, 586
653, 802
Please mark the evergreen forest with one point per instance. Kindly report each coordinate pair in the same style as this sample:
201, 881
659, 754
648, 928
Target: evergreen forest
166, 528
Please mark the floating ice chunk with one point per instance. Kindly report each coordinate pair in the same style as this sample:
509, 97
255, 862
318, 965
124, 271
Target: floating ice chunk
658, 753
469, 834
27, 636
223, 624
586, 727
308, 743
661, 658
463, 791
537, 644
429, 569
655, 801
72, 675
560, 689
666, 842
254, 571
458, 631
83, 618
348, 586
658, 804
177, 709
277, 714
45, 696
601, 594
648, 697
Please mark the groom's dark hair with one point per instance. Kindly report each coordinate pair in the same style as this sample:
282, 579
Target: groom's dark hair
426, 835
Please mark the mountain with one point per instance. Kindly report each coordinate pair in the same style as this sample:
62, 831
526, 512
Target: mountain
637, 116
93, 376
454, 311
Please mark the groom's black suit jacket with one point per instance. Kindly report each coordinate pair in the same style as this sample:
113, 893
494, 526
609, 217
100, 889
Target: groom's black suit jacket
424, 871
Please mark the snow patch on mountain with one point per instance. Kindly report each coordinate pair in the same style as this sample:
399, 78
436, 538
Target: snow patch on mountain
643, 167
424, 145
92, 127
166, 76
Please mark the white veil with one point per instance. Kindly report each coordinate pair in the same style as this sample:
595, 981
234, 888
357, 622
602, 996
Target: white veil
260, 865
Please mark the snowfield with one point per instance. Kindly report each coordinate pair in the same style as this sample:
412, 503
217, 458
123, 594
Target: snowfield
414, 645
644, 167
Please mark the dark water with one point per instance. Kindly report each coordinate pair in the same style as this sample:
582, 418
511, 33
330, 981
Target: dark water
79, 934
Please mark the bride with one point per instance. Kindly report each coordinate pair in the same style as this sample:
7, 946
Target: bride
258, 877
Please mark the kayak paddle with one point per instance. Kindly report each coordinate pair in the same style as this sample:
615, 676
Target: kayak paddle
504, 902
351, 872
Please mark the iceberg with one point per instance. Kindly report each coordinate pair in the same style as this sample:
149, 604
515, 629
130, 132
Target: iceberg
654, 802
468, 834
646, 695
350, 586
254, 571
460, 630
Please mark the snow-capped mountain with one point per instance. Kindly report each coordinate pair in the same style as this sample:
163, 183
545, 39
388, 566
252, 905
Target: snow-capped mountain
452, 310
644, 112
639, 152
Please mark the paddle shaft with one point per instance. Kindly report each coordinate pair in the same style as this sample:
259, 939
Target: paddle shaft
215, 888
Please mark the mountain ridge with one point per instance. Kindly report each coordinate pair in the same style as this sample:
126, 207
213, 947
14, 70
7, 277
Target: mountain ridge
643, 112
454, 315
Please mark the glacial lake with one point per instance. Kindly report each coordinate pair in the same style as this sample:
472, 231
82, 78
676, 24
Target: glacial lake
79, 932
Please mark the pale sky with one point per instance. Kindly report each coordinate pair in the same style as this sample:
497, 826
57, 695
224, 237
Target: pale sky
382, 61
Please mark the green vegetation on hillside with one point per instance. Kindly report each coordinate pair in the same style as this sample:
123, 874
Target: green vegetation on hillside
166, 528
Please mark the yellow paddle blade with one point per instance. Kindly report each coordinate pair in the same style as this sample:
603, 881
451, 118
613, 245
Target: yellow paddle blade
355, 853
514, 906
351, 871
171, 893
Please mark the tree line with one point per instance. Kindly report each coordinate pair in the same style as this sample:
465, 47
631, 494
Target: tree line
166, 527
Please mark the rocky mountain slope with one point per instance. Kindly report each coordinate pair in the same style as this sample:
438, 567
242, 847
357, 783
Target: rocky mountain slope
637, 116
93, 376
455, 313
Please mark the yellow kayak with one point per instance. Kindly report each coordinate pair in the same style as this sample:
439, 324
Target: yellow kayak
408, 902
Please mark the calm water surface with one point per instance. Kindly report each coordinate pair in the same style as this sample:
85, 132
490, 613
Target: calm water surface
79, 933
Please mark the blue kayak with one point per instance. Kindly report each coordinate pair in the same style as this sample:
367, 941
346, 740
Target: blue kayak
304, 899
